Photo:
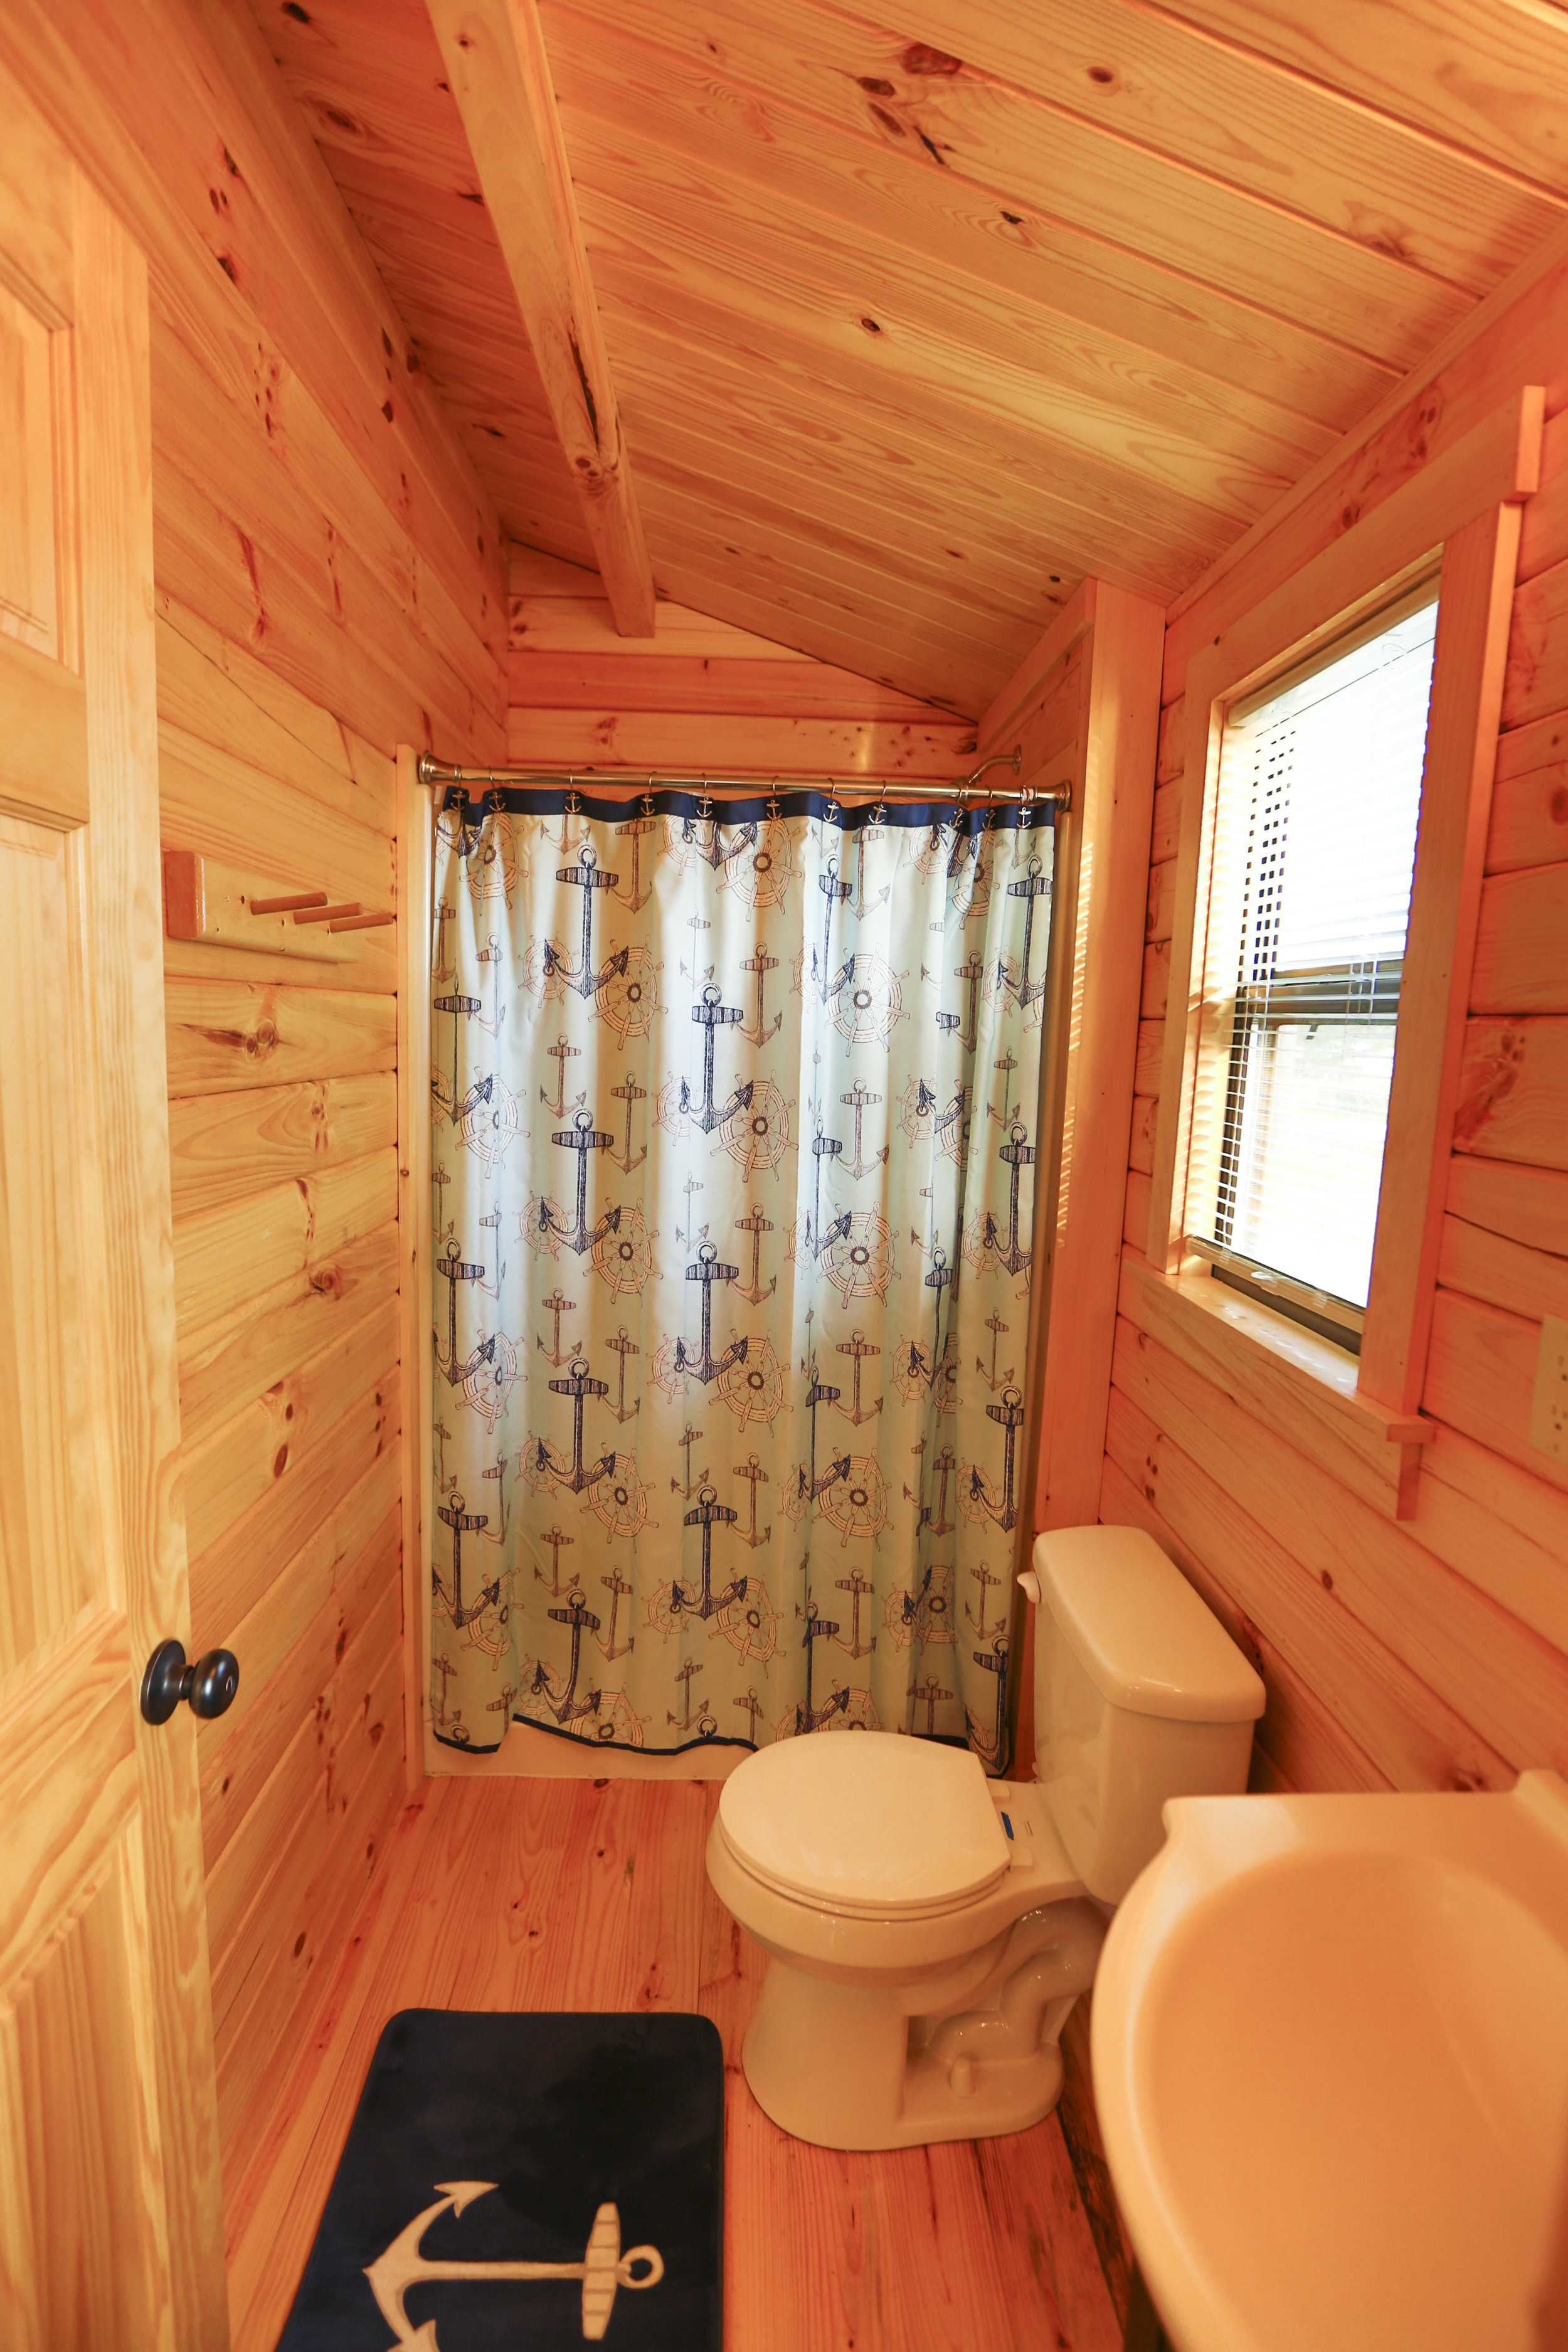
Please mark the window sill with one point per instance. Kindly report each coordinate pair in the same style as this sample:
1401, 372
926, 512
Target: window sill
1300, 1386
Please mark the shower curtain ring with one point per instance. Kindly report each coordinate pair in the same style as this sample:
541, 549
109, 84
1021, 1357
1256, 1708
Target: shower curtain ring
647, 799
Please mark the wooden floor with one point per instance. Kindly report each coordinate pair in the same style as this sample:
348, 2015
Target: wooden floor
576, 1894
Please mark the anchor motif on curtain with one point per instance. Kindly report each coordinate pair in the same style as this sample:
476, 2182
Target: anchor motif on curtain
804, 1232
583, 978
582, 1137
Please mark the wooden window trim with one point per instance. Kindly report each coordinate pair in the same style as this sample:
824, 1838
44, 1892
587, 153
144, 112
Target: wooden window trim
1463, 513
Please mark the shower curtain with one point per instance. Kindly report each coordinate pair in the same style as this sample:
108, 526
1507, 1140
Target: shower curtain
734, 1108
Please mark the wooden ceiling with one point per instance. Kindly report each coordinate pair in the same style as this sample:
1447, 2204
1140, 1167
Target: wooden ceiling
915, 322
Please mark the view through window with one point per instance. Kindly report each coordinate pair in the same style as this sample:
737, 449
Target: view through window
1319, 788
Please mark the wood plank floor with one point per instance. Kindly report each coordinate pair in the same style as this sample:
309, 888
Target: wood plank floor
578, 1895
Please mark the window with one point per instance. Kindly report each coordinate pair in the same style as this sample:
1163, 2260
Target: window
1318, 792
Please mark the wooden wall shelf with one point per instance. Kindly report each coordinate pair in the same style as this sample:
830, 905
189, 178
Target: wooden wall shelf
229, 908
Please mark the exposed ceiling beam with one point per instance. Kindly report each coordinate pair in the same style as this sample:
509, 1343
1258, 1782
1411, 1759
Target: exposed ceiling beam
499, 76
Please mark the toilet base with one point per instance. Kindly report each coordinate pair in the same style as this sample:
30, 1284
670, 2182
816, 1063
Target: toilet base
849, 2064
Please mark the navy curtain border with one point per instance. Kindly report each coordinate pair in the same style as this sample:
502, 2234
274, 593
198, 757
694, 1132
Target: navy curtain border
550, 800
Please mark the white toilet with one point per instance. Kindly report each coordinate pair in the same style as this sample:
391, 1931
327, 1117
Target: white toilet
928, 1930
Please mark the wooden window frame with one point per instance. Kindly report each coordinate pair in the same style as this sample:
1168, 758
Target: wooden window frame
1460, 516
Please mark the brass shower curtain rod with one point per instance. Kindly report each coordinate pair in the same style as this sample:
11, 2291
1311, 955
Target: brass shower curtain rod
1059, 796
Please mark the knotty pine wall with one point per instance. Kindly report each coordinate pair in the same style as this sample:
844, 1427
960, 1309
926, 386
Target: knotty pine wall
697, 697
1431, 1653
330, 581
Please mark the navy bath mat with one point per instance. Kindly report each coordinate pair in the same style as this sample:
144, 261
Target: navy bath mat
525, 2184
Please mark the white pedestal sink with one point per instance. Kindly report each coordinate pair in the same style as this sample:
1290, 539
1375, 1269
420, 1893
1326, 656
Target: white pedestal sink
1330, 2060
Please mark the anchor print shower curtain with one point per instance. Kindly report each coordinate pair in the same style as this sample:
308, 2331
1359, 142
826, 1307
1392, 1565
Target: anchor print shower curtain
734, 1109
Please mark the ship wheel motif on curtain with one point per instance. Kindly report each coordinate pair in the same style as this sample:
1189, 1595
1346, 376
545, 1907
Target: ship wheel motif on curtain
485, 1388
752, 1385
623, 1255
868, 1000
856, 1504
628, 994
750, 1623
758, 1133
487, 1127
858, 1261
761, 870
969, 876
617, 1498
496, 865
924, 1118
615, 1724
923, 1613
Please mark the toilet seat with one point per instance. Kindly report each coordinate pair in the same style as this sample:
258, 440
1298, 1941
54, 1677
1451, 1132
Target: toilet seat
867, 1825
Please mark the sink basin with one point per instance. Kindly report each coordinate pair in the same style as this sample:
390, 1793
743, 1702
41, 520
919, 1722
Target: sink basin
1330, 2060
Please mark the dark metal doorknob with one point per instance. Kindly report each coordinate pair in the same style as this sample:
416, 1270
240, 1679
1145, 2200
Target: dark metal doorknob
209, 1685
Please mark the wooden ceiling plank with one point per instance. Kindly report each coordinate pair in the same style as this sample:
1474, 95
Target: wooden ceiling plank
955, 223
1072, 170
1135, 75
858, 563
1486, 79
1013, 574
781, 353
845, 429
1140, 74
499, 76
689, 234
758, 555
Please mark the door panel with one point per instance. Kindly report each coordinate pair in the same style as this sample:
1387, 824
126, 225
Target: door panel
52, 1532
67, 2033
111, 2217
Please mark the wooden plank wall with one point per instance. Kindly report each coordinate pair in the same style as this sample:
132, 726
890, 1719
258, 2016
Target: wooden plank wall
1431, 1653
330, 581
697, 697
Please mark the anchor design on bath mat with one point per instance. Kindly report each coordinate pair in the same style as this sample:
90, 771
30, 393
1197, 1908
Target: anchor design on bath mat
603, 2269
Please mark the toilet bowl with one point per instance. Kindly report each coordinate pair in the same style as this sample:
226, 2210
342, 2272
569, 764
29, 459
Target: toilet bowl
928, 1930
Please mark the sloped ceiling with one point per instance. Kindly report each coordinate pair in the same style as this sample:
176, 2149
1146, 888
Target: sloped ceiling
914, 323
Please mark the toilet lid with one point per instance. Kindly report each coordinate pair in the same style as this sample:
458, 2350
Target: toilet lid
866, 1822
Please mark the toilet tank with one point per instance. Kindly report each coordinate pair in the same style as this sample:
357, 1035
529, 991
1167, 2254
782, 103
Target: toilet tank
1139, 1694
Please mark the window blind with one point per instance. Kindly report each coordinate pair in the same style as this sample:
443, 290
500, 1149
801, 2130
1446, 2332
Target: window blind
1318, 792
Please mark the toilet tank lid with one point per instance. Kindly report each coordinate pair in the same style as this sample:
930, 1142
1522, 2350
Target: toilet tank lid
1141, 1634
